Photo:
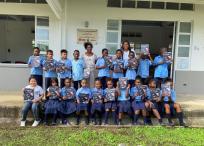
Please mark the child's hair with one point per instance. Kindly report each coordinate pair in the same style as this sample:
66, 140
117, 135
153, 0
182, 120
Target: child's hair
32, 77
36, 48
138, 78
67, 79
126, 41
109, 80
84, 80
119, 50
54, 80
97, 79
104, 49
76, 51
86, 44
131, 52
168, 80
151, 80
49, 51
63, 51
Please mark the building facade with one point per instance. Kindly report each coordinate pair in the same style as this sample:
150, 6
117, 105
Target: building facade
106, 23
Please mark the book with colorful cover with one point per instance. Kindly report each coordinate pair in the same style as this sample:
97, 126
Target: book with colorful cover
110, 94
35, 61
166, 89
145, 51
155, 94
83, 98
70, 93
132, 63
119, 65
97, 96
108, 61
123, 83
60, 67
167, 56
28, 94
53, 92
49, 65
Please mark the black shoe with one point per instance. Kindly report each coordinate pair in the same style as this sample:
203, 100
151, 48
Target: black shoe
54, 123
182, 125
171, 124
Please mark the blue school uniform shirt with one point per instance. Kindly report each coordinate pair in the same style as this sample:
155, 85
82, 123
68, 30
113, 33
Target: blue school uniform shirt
66, 73
133, 92
104, 72
149, 94
122, 96
78, 69
83, 90
173, 96
115, 65
161, 70
130, 73
52, 73
36, 70
143, 69
64, 91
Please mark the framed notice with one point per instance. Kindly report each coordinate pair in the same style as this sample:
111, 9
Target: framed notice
87, 35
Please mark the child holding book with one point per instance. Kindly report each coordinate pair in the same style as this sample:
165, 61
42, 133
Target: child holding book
32, 96
35, 63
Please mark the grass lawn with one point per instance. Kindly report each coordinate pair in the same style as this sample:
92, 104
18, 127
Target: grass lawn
96, 136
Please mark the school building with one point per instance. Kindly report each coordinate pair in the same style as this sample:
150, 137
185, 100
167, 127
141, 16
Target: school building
59, 24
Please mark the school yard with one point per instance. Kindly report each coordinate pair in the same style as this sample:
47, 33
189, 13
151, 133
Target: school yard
12, 134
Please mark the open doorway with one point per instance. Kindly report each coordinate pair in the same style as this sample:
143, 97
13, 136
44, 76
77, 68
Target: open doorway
151, 34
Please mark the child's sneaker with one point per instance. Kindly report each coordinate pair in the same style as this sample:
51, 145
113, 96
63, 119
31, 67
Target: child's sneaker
35, 123
23, 123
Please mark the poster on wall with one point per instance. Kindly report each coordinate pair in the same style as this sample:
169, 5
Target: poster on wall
87, 35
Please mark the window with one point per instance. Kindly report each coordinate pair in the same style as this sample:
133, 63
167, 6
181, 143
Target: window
172, 6
25, 1
158, 5
42, 33
128, 4
114, 3
186, 6
143, 4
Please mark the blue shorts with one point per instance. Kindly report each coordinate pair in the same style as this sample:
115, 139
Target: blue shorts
138, 105
67, 107
82, 107
97, 107
124, 107
51, 106
110, 105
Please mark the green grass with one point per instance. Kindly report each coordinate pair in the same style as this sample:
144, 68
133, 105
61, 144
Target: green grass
96, 136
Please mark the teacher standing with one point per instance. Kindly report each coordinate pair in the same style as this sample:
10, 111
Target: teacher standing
90, 60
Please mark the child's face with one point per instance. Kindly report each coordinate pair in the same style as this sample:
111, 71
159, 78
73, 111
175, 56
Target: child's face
119, 54
98, 84
105, 53
152, 84
83, 83
131, 55
170, 83
64, 55
76, 55
36, 52
162, 51
137, 82
54, 83
49, 55
33, 82
67, 83
109, 84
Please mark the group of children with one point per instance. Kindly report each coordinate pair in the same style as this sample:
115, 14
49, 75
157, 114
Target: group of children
108, 95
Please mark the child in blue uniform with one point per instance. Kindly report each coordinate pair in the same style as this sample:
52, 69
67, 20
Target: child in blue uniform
143, 70
138, 104
32, 97
83, 96
77, 69
67, 105
64, 68
124, 105
52, 104
35, 63
49, 66
170, 104
153, 99
110, 96
97, 101
161, 67
103, 68
131, 66
118, 67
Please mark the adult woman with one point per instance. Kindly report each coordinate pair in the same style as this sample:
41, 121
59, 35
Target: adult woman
126, 50
90, 60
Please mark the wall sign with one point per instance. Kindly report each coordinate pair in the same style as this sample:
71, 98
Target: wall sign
87, 35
